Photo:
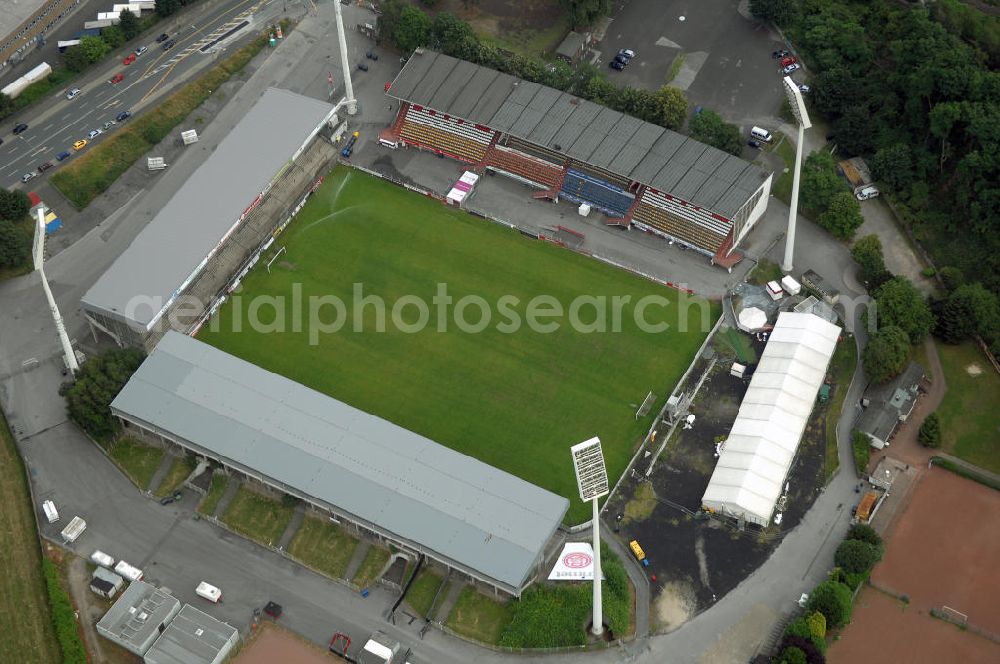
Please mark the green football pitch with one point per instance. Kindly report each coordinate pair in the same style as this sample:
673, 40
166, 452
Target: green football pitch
516, 397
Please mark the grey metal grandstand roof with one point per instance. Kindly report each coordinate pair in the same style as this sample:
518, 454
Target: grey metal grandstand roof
587, 132
202, 212
193, 637
450, 505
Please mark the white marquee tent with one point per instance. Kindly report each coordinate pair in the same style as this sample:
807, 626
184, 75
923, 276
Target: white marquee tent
751, 471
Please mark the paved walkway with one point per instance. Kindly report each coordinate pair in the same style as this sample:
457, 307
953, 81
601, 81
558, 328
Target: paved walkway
636, 575
360, 551
446, 605
298, 516
231, 489
161, 472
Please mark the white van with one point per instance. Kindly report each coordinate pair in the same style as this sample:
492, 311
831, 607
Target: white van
761, 134
209, 592
866, 193
51, 513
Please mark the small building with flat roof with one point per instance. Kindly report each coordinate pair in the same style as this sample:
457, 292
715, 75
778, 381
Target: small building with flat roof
106, 583
137, 618
193, 637
572, 47
889, 404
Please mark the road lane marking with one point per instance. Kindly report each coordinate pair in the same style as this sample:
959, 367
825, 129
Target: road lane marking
47, 127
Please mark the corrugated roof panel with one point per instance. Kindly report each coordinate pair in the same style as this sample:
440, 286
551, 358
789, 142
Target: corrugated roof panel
546, 130
465, 104
451, 505
689, 185
586, 144
606, 152
437, 76
456, 88
408, 79
576, 124
637, 147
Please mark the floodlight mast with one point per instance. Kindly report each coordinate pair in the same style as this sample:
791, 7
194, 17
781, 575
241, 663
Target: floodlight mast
592, 481
38, 255
352, 104
798, 106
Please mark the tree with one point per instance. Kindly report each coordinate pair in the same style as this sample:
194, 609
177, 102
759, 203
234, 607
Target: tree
864, 533
129, 24
898, 302
833, 600
856, 557
708, 127
819, 183
98, 382
673, 107
969, 310
930, 431
388, 19
113, 36
15, 245
167, 7
454, 36
886, 354
780, 12
14, 204
584, 12
867, 253
893, 165
6, 105
94, 48
817, 625
952, 277
842, 216
412, 30
75, 58
792, 655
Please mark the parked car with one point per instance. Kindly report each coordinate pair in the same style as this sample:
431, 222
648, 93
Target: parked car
162, 38
139, 51
108, 125
777, 55
617, 64
790, 68
117, 78
94, 133
803, 88
73, 93
80, 144
129, 59
754, 144
124, 115
28, 176
788, 60
626, 53
362, 66
44, 167
371, 55
169, 44
62, 156
19, 128
177, 495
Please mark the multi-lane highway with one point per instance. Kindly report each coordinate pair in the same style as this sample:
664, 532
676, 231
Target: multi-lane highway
56, 123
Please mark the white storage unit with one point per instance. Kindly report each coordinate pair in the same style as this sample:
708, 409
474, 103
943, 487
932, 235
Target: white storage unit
51, 513
75, 528
102, 559
791, 286
774, 290
128, 571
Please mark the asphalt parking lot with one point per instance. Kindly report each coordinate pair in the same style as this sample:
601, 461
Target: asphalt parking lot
727, 65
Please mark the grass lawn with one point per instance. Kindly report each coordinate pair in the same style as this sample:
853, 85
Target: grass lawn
478, 617
27, 634
511, 396
258, 517
640, 507
842, 366
422, 591
323, 546
739, 343
970, 420
374, 561
138, 461
782, 187
215, 492
180, 468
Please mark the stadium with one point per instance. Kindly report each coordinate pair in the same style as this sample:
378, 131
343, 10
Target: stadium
637, 173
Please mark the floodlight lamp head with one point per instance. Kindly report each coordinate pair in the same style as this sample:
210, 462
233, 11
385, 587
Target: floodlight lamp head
591, 473
796, 102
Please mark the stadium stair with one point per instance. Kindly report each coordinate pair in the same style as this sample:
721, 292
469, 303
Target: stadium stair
626, 221
552, 193
488, 157
722, 259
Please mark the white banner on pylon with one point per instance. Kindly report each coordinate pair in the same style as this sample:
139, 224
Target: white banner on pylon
575, 563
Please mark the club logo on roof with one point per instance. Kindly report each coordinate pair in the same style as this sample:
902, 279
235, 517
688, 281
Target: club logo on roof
577, 560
